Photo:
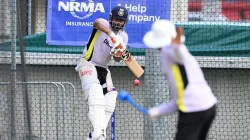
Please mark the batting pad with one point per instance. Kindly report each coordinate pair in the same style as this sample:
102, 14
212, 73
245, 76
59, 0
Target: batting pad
96, 102
110, 99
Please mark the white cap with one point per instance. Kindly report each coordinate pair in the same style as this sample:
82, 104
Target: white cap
161, 34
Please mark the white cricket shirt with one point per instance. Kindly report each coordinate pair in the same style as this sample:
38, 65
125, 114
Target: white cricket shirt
189, 89
97, 50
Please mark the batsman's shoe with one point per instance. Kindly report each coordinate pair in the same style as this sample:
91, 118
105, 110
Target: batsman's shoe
89, 137
100, 138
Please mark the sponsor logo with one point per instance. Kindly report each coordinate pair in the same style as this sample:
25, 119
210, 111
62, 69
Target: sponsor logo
138, 13
81, 10
121, 12
107, 43
86, 72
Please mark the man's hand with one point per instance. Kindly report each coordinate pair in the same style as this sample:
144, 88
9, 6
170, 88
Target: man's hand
154, 114
178, 41
180, 38
117, 51
112, 36
118, 47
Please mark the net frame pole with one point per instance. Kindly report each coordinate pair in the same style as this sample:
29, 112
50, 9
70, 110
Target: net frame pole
13, 8
20, 20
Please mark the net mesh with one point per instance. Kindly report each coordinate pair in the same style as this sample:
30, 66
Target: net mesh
42, 98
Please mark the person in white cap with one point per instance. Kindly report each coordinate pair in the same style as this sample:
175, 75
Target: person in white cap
192, 96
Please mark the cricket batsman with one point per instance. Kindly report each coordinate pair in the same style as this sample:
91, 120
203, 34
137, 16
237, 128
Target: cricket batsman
94, 73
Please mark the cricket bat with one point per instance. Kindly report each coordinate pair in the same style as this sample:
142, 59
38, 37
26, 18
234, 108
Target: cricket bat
132, 63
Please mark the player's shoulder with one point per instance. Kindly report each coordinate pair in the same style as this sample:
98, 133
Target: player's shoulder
123, 33
169, 49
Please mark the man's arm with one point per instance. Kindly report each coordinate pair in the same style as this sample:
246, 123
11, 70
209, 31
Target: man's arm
177, 43
125, 40
163, 109
167, 108
103, 25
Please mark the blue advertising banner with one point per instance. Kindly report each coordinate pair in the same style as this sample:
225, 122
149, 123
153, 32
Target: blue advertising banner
70, 22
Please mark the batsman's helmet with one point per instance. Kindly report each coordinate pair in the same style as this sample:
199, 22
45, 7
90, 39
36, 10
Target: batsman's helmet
118, 12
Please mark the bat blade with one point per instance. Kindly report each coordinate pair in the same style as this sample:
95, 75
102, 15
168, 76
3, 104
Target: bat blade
132, 64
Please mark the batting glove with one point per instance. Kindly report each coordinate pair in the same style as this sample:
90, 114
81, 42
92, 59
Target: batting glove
118, 47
